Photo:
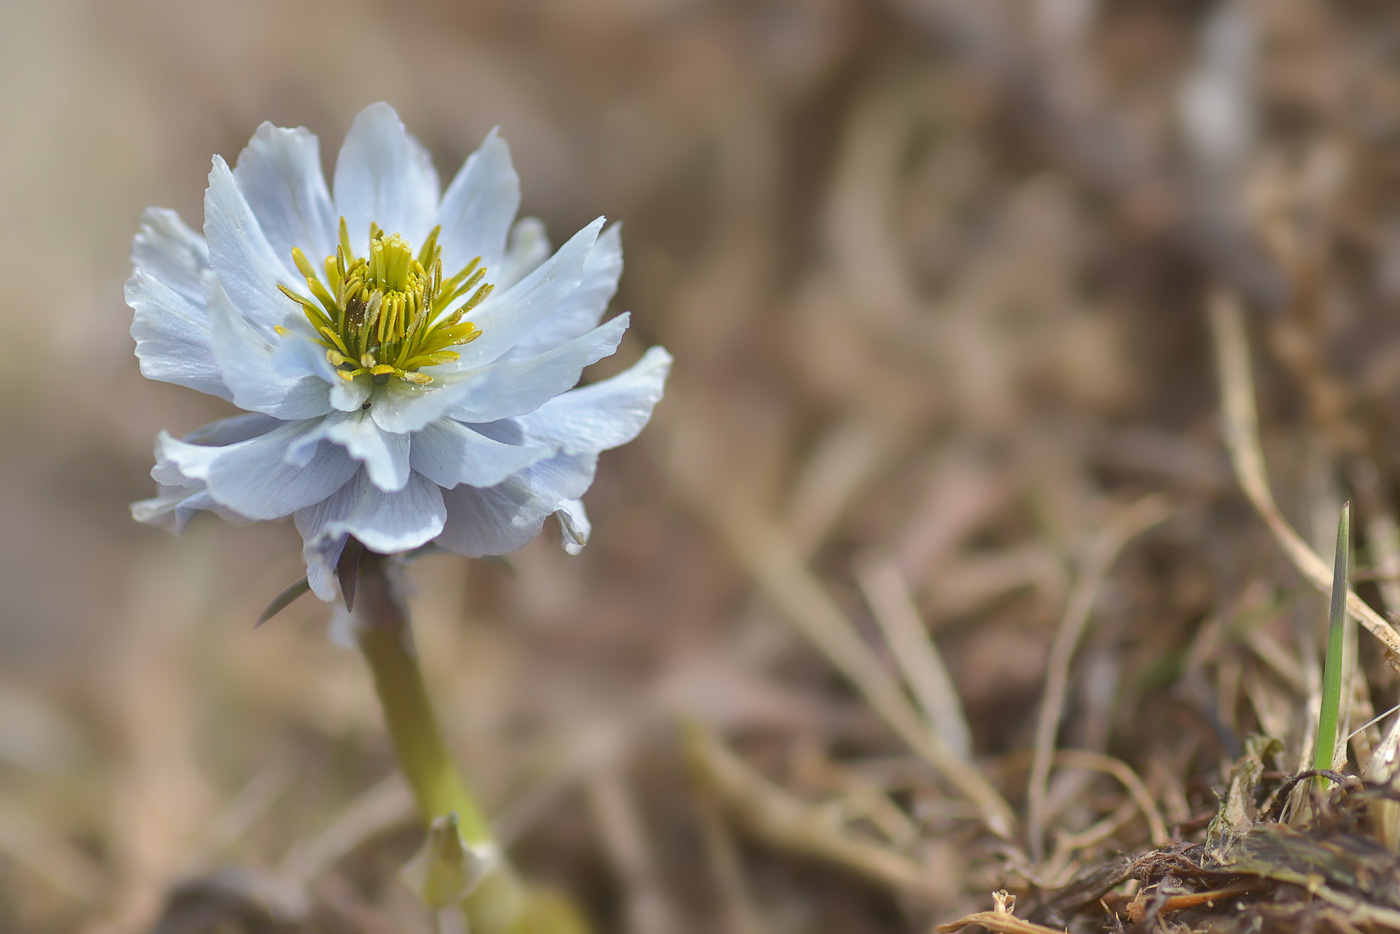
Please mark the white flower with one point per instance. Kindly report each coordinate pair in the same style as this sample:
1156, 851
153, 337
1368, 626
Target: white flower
405, 357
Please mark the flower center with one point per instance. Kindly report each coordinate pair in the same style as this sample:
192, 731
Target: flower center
386, 314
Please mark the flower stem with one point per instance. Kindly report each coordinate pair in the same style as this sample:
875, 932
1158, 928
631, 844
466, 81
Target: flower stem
386, 640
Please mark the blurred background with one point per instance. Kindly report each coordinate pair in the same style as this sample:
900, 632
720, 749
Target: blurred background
934, 274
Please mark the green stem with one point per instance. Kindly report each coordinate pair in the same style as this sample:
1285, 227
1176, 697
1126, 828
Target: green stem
386, 640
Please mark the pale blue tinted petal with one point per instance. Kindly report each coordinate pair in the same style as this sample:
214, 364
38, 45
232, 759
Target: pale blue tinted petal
507, 316
501, 519
494, 521
528, 247
385, 176
279, 173
172, 336
347, 395
450, 453
499, 390
249, 269
285, 384
583, 308
167, 250
321, 552
254, 478
384, 455
574, 527
478, 207
605, 414
176, 506
385, 522
518, 385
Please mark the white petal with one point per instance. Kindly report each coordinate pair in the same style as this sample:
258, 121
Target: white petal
253, 477
388, 523
321, 554
347, 395
175, 507
450, 453
507, 316
605, 414
501, 519
574, 526
583, 308
172, 336
495, 521
528, 247
500, 390
280, 175
171, 252
384, 176
515, 386
478, 207
248, 267
283, 381
384, 455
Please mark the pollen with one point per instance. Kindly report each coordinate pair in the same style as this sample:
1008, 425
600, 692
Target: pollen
391, 313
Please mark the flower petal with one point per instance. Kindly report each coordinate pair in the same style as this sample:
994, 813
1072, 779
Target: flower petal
172, 336
384, 455
384, 176
583, 308
166, 249
506, 317
388, 523
254, 478
249, 268
281, 380
528, 247
478, 207
574, 527
450, 453
279, 173
503, 518
605, 414
505, 388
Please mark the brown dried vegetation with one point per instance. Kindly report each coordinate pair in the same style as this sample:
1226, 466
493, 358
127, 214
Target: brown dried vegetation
933, 575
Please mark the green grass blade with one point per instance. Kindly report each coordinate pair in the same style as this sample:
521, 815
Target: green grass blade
1332, 667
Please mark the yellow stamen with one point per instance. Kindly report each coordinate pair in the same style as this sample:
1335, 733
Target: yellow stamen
390, 313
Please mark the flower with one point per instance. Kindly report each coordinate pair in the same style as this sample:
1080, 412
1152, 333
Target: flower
405, 358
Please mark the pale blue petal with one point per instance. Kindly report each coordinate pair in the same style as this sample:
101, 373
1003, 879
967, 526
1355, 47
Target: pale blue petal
494, 521
478, 207
321, 554
450, 453
282, 381
347, 395
253, 477
605, 414
388, 523
508, 315
574, 527
176, 506
249, 269
384, 455
169, 251
279, 173
527, 249
518, 385
501, 519
581, 311
500, 390
384, 176
172, 336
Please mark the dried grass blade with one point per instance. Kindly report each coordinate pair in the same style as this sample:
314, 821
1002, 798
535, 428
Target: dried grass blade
1103, 551
883, 586
1242, 439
